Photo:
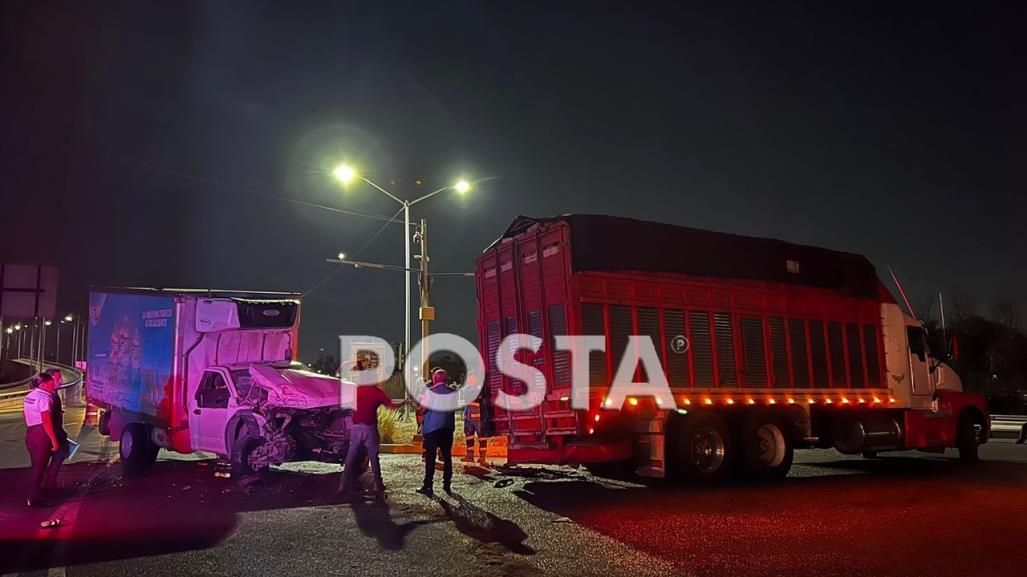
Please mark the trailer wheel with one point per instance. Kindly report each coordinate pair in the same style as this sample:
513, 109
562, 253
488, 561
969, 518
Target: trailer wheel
703, 449
138, 453
767, 448
967, 438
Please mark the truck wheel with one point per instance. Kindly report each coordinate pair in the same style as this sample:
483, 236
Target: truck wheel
244, 447
767, 450
703, 449
138, 453
966, 439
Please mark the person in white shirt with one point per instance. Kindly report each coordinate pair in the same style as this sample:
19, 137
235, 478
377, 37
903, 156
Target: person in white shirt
45, 439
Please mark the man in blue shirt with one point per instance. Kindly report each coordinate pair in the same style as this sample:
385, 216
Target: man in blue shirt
437, 430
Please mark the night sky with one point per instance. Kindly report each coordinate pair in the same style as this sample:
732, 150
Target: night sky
141, 142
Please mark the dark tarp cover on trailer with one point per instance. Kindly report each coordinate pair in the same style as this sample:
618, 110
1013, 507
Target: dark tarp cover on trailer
611, 243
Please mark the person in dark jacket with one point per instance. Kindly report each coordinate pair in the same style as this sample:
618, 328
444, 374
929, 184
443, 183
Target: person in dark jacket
1023, 435
437, 430
45, 439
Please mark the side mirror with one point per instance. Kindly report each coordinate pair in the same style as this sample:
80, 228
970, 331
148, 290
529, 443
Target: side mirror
952, 348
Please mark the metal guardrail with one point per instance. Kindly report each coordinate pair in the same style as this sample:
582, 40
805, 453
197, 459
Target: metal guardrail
10, 398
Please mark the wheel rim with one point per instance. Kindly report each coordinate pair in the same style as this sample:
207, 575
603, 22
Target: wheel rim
707, 450
770, 445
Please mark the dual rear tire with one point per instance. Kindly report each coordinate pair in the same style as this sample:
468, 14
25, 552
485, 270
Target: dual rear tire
136, 449
707, 449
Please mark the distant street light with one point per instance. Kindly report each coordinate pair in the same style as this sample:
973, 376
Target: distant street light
347, 174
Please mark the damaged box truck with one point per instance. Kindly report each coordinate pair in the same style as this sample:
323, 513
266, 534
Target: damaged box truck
212, 371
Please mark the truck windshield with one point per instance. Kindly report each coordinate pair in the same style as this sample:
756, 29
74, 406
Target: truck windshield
247, 390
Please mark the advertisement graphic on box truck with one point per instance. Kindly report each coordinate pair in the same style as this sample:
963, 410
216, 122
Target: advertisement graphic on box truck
131, 340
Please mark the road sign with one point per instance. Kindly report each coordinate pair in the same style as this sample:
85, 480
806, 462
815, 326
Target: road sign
28, 291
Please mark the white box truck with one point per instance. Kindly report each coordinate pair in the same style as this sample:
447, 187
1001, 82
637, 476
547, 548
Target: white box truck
213, 371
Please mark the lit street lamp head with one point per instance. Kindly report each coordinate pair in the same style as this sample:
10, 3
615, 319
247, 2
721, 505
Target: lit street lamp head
462, 186
344, 173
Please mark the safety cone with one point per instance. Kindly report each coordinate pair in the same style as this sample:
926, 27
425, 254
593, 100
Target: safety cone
92, 415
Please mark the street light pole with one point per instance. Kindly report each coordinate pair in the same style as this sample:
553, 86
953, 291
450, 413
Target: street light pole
346, 174
406, 284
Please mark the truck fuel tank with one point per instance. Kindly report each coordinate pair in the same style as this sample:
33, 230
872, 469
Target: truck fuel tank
872, 431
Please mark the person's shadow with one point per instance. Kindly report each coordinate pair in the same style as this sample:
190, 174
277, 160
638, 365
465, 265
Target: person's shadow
374, 519
485, 527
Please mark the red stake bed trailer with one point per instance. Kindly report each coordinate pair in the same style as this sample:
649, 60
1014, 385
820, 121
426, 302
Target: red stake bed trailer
767, 347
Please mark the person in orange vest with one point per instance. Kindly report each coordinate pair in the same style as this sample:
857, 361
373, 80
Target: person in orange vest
473, 427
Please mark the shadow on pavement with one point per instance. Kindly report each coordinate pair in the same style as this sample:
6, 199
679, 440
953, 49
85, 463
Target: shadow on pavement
485, 527
178, 506
374, 518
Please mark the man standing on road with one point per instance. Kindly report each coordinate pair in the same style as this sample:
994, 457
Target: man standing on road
472, 427
438, 437
363, 437
45, 439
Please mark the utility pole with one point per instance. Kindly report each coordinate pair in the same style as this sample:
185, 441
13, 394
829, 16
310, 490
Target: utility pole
427, 312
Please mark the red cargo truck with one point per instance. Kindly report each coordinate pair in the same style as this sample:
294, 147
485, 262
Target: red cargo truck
767, 347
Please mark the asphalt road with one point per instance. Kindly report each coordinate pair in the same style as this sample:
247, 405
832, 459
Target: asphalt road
907, 514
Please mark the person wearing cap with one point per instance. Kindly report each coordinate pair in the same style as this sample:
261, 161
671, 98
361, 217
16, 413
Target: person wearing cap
45, 439
363, 437
438, 430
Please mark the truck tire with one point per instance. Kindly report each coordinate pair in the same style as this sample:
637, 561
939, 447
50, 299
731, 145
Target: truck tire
966, 439
767, 449
703, 449
241, 451
138, 453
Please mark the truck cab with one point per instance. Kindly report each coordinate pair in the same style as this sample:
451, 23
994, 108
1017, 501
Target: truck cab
262, 414
922, 381
215, 402
915, 371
